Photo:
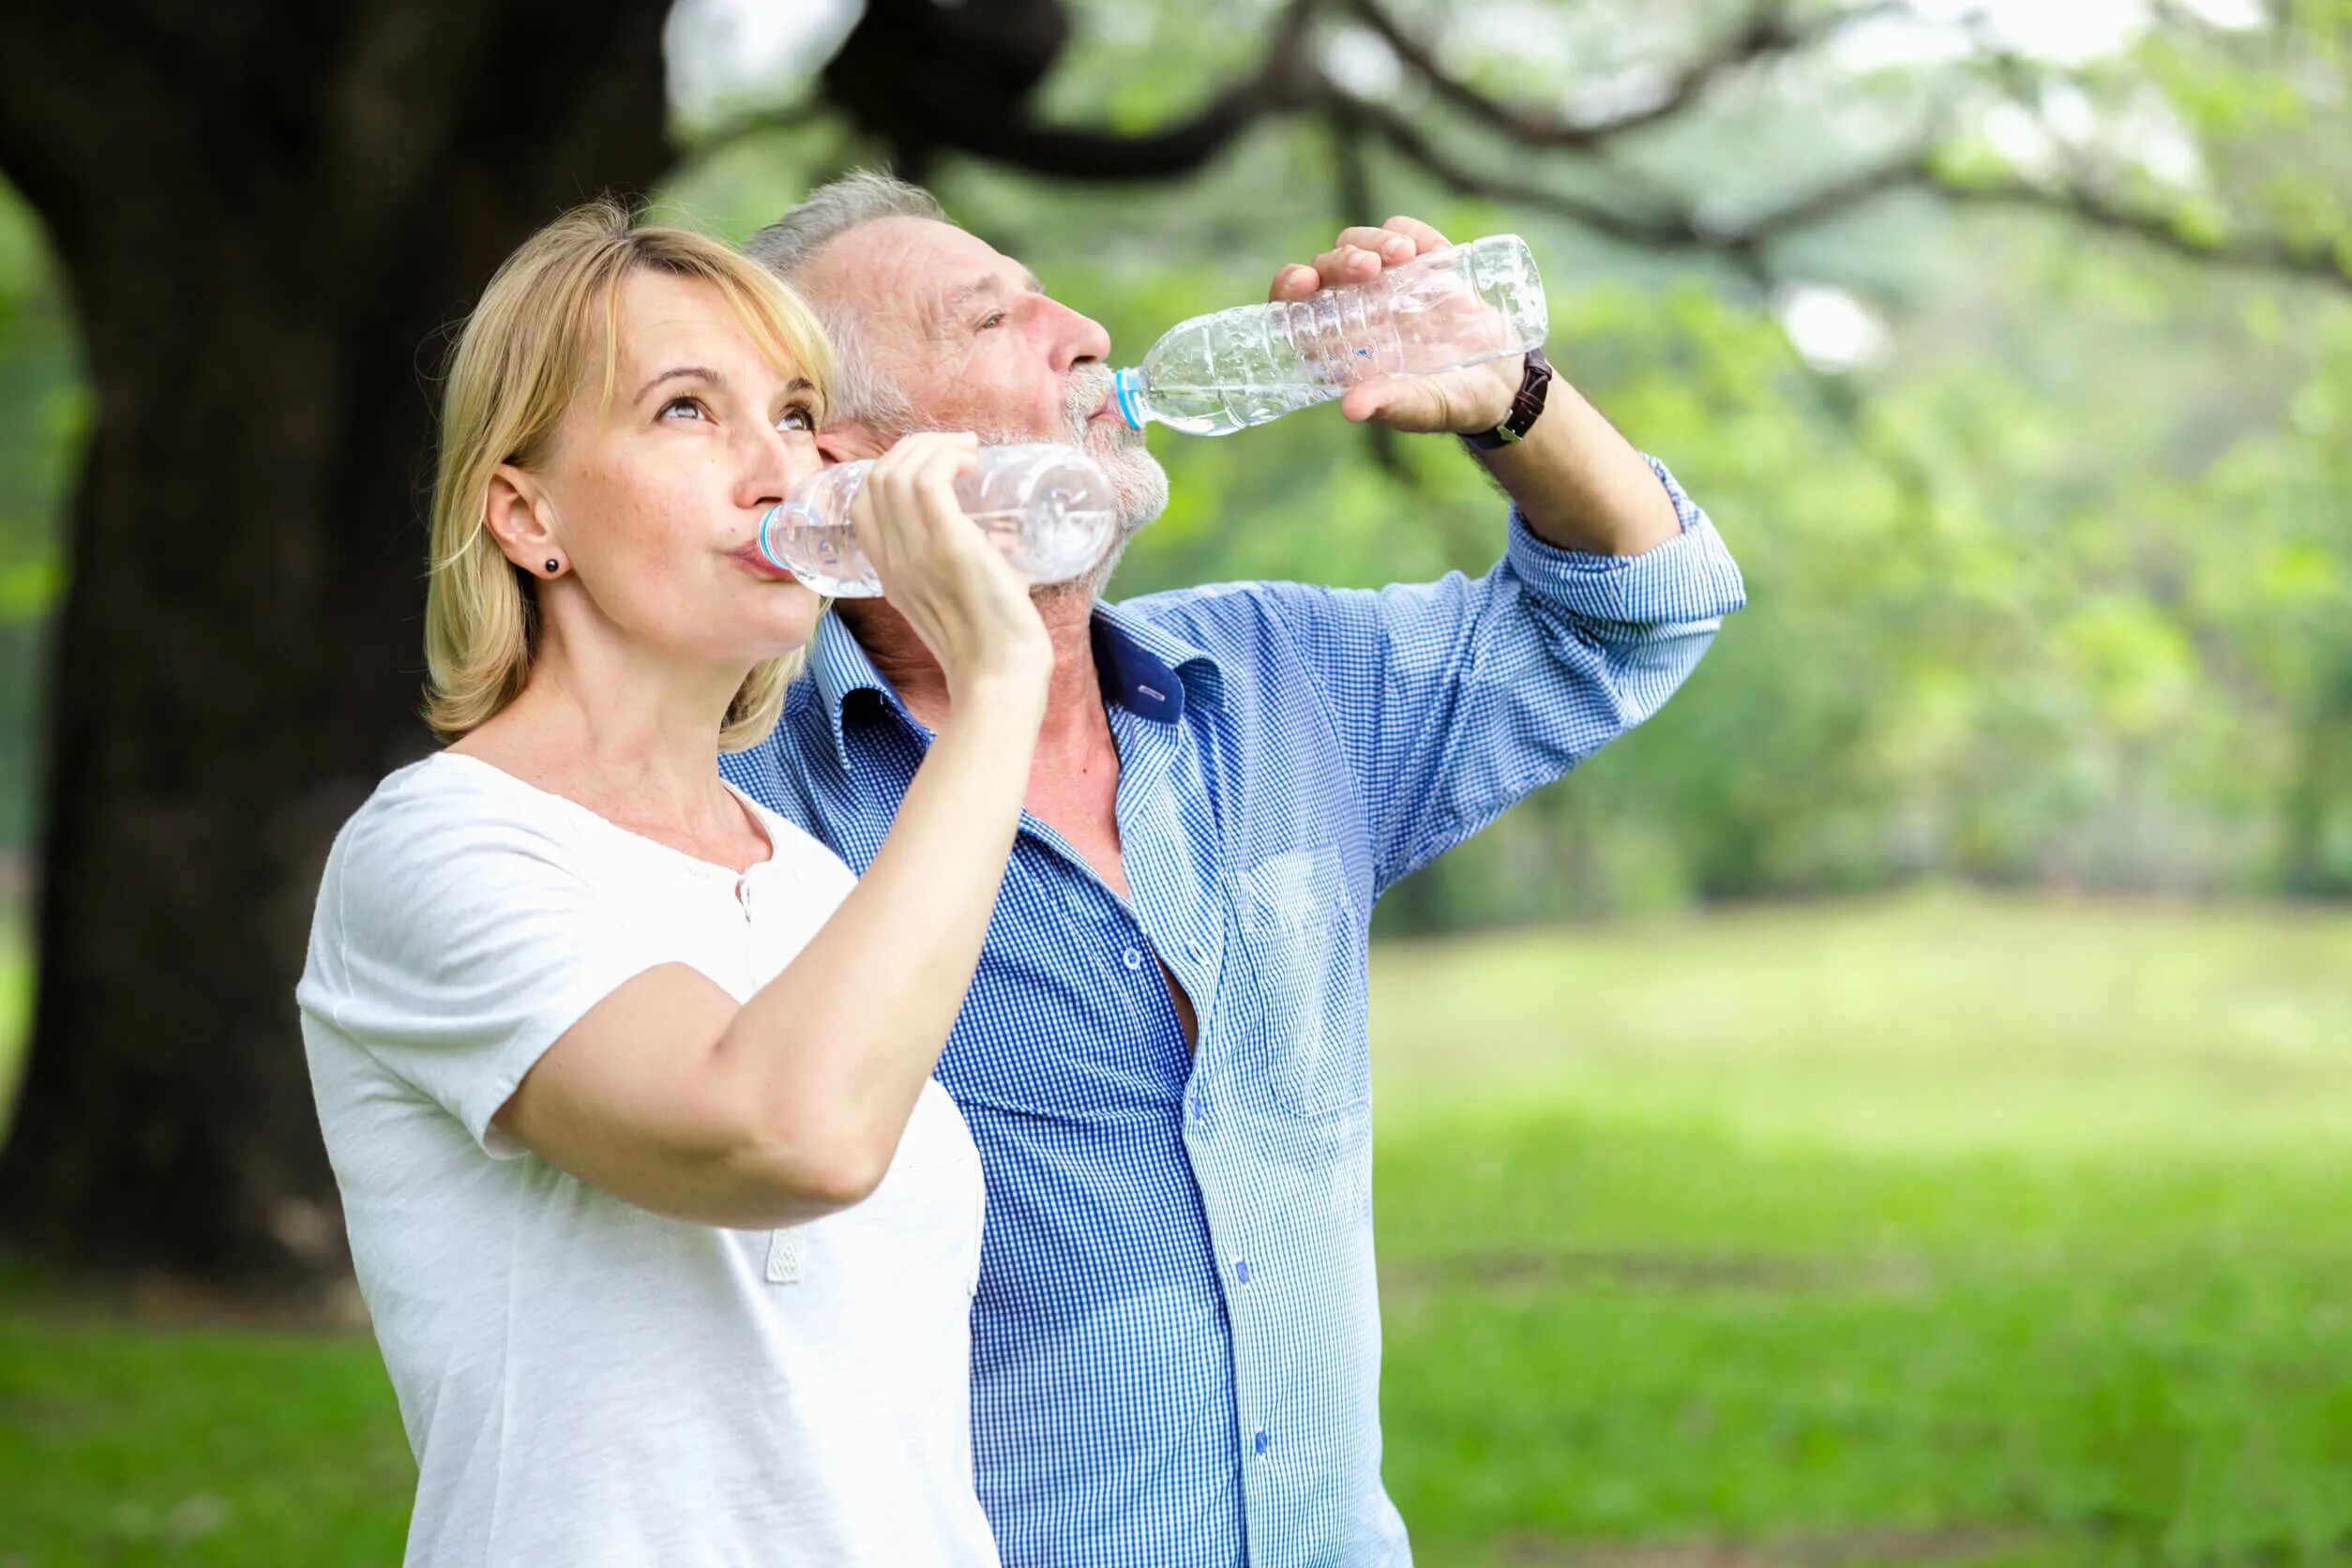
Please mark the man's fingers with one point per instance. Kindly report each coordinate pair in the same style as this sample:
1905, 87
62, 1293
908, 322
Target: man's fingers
1295, 281
1358, 256
1422, 235
1348, 264
1364, 402
1392, 246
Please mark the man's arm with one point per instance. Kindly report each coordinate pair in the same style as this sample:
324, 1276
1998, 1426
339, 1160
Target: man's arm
1579, 483
1453, 698
1450, 700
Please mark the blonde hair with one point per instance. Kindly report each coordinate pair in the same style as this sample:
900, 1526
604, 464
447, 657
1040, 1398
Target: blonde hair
520, 360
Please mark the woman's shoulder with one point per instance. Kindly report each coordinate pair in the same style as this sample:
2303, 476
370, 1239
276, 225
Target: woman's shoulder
450, 821
438, 872
462, 796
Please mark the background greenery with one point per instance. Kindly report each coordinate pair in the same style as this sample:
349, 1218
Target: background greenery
1945, 1230
1939, 1152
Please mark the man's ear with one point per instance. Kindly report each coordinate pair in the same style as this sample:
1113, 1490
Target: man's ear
850, 440
515, 517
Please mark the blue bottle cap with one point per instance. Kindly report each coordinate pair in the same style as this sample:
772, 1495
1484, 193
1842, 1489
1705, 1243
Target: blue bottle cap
1128, 385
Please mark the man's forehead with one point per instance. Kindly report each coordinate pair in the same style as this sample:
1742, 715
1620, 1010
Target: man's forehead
918, 264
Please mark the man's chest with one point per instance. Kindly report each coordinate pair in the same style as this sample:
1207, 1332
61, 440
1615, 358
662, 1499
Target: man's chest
1074, 792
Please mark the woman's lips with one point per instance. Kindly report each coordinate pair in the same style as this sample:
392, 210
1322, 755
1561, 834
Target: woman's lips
756, 561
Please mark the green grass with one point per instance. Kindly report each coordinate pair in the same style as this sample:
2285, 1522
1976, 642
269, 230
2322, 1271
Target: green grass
1927, 1231
2008, 1234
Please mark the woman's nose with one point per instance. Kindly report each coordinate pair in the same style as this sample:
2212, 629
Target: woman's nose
779, 462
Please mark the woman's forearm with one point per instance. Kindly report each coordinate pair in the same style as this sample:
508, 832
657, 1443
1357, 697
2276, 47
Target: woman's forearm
836, 1049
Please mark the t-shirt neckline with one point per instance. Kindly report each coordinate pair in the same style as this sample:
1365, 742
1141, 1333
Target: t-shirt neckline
767, 821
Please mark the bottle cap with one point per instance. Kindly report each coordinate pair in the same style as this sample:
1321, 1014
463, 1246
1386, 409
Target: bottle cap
768, 520
1127, 385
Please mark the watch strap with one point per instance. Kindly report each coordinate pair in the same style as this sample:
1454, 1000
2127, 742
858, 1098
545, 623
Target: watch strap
1525, 407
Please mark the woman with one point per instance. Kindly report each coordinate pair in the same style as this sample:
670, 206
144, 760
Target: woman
667, 1237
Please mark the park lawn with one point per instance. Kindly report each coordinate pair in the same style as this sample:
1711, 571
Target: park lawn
1954, 1231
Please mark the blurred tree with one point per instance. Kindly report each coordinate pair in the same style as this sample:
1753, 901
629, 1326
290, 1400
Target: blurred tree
266, 216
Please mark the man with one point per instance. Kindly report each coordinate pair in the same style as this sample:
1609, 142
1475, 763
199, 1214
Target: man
1164, 1056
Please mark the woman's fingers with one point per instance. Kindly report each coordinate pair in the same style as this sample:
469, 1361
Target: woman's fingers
909, 493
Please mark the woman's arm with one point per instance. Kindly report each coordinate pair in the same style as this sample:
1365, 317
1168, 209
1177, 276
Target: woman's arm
667, 1095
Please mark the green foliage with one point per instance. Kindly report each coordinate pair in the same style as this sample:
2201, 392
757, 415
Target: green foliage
1934, 1231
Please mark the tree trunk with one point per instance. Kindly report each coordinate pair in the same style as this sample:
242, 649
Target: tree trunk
268, 220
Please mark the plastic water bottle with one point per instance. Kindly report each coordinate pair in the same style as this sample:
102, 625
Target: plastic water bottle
1214, 374
1050, 510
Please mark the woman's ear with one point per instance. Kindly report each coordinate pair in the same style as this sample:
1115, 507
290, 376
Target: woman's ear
517, 517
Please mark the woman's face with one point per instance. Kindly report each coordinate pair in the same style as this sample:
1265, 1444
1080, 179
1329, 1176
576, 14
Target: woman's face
655, 501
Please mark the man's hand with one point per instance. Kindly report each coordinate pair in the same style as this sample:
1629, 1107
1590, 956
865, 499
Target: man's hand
1463, 401
1576, 481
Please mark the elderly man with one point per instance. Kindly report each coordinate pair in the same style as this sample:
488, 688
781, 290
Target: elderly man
1164, 1057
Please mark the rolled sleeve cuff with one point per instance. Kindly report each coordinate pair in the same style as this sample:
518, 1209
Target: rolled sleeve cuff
1690, 579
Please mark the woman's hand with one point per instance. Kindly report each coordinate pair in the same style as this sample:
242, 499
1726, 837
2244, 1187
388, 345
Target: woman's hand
939, 571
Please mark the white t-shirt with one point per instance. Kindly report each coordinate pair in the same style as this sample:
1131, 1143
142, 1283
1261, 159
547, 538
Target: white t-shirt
584, 1383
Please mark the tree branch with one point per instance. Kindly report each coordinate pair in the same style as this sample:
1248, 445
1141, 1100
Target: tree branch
2322, 260
1768, 33
1677, 228
924, 94
945, 106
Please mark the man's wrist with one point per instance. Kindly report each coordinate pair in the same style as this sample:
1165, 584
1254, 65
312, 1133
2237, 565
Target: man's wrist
1527, 406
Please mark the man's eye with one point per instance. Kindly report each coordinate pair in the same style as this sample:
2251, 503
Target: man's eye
692, 406
994, 317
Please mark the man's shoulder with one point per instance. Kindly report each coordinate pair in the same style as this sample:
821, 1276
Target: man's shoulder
1226, 618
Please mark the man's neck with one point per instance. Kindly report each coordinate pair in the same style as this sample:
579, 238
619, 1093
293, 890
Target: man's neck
1073, 703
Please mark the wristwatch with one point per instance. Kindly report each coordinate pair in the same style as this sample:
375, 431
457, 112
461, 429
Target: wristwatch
1524, 408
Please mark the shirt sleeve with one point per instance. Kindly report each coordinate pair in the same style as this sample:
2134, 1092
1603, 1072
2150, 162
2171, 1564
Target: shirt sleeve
453, 944
1454, 699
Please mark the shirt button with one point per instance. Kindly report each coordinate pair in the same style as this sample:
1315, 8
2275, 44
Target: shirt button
1131, 958
1241, 1269
1199, 954
1261, 1442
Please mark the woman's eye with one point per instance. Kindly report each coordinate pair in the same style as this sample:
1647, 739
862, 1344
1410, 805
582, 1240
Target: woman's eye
797, 417
690, 406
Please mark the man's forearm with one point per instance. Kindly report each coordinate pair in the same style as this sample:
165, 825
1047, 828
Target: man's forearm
1580, 485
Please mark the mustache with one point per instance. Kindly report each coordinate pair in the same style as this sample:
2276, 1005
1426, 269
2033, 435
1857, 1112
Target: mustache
1087, 389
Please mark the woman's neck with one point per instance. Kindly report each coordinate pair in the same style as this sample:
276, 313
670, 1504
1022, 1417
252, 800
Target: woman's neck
633, 738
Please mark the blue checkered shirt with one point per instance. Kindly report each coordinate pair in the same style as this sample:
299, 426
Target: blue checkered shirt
1176, 1344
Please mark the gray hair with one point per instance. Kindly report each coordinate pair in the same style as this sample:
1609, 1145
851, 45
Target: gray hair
786, 247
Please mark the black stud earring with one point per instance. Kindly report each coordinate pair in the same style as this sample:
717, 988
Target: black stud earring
553, 565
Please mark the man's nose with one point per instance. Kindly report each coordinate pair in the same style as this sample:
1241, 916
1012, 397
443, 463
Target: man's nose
1077, 339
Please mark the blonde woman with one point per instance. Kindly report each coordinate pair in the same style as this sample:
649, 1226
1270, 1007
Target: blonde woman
667, 1236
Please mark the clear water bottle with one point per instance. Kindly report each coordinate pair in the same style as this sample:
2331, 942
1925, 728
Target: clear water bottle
1215, 374
1050, 510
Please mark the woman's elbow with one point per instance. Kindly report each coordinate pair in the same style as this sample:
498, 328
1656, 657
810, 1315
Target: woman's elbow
792, 1178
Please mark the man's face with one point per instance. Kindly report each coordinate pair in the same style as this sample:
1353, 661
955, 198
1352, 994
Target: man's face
972, 342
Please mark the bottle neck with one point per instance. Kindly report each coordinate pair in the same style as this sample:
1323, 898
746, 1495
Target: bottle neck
1128, 386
